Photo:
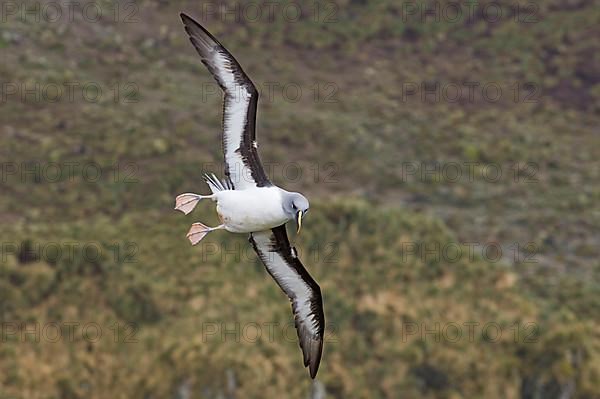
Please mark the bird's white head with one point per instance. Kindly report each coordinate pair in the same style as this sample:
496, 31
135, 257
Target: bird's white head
295, 206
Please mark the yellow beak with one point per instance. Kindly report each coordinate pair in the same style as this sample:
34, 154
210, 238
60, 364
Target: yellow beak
299, 221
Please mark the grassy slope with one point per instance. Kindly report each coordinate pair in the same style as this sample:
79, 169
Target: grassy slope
171, 131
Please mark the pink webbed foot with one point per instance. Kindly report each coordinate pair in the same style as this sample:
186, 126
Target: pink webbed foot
188, 201
198, 231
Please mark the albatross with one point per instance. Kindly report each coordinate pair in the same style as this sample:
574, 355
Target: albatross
247, 202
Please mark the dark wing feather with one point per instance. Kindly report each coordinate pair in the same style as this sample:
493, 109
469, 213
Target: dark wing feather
273, 248
242, 163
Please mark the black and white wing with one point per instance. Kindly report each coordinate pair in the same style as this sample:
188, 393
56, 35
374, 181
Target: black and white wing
273, 248
242, 164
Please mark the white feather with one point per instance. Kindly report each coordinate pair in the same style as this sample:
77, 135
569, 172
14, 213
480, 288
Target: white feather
253, 209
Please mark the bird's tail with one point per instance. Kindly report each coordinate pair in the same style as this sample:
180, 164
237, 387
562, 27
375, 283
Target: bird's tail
217, 185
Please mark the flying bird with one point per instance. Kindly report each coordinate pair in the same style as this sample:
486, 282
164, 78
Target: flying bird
247, 202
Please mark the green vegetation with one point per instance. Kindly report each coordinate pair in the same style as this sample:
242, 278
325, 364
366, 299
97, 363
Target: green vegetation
93, 240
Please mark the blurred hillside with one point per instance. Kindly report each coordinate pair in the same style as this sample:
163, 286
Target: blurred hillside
413, 133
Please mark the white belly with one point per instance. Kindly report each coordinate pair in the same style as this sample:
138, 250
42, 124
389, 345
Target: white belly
246, 211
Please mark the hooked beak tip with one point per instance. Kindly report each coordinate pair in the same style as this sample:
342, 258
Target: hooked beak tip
299, 221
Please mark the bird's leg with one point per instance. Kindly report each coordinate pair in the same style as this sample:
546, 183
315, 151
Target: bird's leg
198, 231
187, 202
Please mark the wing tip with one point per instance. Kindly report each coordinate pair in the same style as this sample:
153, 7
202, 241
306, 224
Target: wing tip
315, 361
313, 372
312, 349
190, 22
187, 20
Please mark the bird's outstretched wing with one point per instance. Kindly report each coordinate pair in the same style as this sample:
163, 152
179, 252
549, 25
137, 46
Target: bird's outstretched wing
273, 248
242, 164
